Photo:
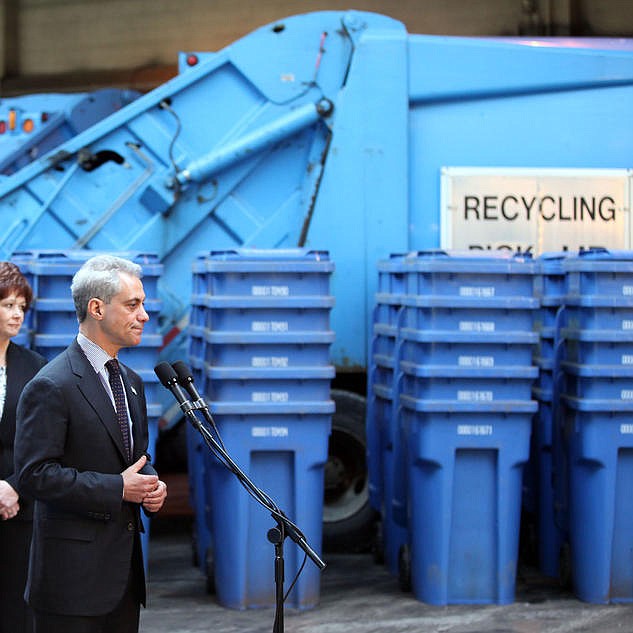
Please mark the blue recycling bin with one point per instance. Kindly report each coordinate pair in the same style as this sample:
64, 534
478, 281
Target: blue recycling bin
382, 427
600, 471
385, 463
465, 478
283, 453
593, 463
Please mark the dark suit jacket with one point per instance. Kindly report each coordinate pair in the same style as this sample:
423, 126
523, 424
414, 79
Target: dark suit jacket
22, 365
69, 456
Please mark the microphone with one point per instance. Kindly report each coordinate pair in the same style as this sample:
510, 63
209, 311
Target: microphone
185, 379
169, 379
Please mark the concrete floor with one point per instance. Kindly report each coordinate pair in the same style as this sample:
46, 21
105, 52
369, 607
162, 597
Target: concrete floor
358, 596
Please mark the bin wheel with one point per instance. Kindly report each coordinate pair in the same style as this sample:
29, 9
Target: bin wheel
564, 566
404, 568
378, 544
348, 517
210, 572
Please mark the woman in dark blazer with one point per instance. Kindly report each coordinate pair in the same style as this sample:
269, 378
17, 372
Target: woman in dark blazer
17, 366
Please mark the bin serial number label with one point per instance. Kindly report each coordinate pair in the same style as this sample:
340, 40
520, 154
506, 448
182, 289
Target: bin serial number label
476, 361
476, 291
476, 326
474, 429
269, 326
475, 396
269, 431
270, 396
269, 361
270, 291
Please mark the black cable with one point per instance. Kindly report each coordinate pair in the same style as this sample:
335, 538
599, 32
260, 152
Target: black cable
165, 105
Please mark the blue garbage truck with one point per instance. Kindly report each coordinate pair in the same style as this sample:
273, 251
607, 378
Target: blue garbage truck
32, 125
342, 132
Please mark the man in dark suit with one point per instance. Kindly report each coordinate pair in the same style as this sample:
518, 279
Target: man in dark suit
80, 452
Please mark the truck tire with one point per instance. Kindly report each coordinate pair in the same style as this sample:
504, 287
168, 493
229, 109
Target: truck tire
348, 519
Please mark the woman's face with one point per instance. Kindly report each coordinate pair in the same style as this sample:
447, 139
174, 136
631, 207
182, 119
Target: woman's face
12, 310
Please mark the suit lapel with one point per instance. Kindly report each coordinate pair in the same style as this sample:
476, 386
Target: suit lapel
92, 389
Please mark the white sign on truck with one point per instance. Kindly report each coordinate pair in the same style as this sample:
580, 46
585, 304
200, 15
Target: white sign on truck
535, 210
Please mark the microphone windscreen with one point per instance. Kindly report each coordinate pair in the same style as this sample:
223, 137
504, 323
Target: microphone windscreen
165, 373
183, 372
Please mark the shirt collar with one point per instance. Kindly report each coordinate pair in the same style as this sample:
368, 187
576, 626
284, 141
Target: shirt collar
95, 354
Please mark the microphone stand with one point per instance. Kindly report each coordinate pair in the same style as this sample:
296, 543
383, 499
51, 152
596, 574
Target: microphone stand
276, 535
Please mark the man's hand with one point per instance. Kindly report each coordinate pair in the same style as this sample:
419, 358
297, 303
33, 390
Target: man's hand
136, 486
9, 505
153, 502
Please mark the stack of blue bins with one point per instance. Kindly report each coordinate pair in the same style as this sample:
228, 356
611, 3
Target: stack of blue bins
54, 321
382, 429
196, 448
595, 423
550, 290
266, 344
466, 410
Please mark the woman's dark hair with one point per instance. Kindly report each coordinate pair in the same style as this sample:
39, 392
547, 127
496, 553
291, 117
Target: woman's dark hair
13, 281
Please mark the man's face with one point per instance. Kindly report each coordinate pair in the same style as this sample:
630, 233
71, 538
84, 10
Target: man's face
124, 317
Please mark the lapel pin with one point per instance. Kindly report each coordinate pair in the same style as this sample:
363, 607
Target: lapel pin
133, 390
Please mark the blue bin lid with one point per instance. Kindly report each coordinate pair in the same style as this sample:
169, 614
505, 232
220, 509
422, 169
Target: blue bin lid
599, 301
452, 371
551, 263
55, 262
543, 362
597, 336
480, 262
272, 408
383, 391
597, 371
542, 395
258, 260
266, 254
478, 338
276, 303
607, 405
395, 264
270, 373
471, 303
236, 337
54, 340
384, 329
457, 406
600, 260
384, 360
